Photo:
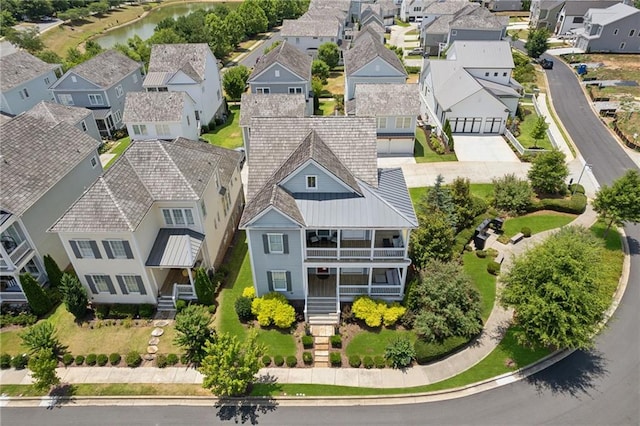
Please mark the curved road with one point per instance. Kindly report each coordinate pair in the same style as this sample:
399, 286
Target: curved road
599, 387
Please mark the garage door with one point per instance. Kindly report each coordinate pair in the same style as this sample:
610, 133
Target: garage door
395, 146
466, 124
492, 125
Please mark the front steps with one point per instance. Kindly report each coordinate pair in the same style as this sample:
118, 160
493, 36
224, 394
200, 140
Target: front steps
165, 308
321, 344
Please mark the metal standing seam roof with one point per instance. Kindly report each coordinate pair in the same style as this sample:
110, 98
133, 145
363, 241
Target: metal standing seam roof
175, 248
398, 99
271, 105
156, 78
154, 106
287, 56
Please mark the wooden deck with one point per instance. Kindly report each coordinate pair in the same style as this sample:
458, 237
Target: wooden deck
173, 277
319, 287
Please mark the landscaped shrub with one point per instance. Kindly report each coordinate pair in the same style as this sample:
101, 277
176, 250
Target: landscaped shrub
22, 318
392, 314
121, 311
38, 299
379, 362
278, 360
133, 359
172, 359
493, 268
307, 358
307, 341
367, 362
161, 361
292, 361
211, 309
184, 359
79, 359
67, 359
91, 359
526, 231
273, 309
114, 359
432, 351
146, 311
400, 352
19, 362
243, 308
355, 361
335, 359
180, 305
336, 341
102, 360
266, 360
481, 254
374, 312
5, 361
249, 292
347, 314
101, 311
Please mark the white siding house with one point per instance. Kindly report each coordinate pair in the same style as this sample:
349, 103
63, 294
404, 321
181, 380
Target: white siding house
160, 115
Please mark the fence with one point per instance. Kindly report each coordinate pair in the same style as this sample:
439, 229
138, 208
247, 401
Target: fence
518, 146
554, 143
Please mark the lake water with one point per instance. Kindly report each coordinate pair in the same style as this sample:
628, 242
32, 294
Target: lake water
144, 27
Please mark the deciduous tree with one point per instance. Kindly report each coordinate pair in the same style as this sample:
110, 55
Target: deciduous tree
329, 53
620, 202
539, 130
537, 43
548, 172
512, 194
433, 239
234, 81
320, 69
43, 370
42, 336
255, 20
193, 331
28, 40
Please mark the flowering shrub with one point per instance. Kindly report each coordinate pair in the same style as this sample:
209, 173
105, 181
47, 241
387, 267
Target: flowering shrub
273, 309
249, 292
375, 312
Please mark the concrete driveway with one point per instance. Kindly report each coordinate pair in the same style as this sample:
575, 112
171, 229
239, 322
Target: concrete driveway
483, 148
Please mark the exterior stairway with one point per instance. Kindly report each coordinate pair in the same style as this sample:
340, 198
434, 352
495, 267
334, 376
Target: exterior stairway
322, 311
165, 306
321, 334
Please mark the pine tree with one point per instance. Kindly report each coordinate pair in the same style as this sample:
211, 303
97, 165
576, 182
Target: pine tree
53, 271
204, 287
74, 296
38, 300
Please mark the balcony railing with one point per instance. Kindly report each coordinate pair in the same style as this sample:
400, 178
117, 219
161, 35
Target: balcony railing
182, 291
19, 252
359, 253
376, 290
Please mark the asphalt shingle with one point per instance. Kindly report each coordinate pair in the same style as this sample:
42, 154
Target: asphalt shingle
154, 106
287, 56
376, 100
106, 68
271, 105
20, 67
365, 49
189, 58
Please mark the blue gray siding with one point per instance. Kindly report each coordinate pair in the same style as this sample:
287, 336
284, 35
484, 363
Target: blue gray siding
11, 101
324, 182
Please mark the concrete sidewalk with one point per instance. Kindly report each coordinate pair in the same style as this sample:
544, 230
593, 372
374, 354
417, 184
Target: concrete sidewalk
375, 378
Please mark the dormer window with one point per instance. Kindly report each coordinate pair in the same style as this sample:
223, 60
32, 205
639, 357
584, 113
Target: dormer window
312, 182
277, 73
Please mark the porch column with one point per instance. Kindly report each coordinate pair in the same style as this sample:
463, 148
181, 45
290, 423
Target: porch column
373, 243
6, 258
406, 234
403, 279
370, 279
339, 237
338, 289
193, 287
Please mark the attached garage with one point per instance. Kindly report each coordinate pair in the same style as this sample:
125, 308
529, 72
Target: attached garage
395, 146
465, 124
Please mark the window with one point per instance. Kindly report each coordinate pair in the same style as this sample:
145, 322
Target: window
101, 283
95, 99
117, 249
279, 280
94, 162
203, 209
163, 89
31, 268
631, 33
504, 74
197, 114
119, 91
622, 45
86, 249
167, 217
495, 74
162, 129
129, 282
263, 90
46, 80
74, 79
277, 73
382, 122
178, 216
294, 90
117, 116
486, 74
454, 32
403, 122
135, 78
312, 182
83, 125
578, 19
139, 129
276, 244
615, 32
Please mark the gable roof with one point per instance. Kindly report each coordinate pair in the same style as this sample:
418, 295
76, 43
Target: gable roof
34, 156
375, 100
481, 54
311, 27
365, 49
190, 58
53, 113
142, 107
20, 67
147, 171
271, 105
104, 69
611, 14
447, 7
287, 56
580, 7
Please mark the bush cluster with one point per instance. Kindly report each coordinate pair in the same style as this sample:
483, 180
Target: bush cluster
335, 359
292, 361
133, 359
355, 361
122, 311
114, 359
526, 231
307, 341
266, 360
172, 359
161, 361
375, 312
22, 318
481, 254
19, 362
249, 292
102, 360
5, 361
91, 359
400, 353
576, 204
432, 351
79, 360
379, 362
336, 341
493, 268
243, 308
273, 309
367, 362
307, 358
278, 360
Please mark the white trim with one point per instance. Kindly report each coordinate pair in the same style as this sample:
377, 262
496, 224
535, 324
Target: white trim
307, 178
273, 282
271, 250
96, 96
324, 169
261, 90
295, 90
252, 81
264, 212
253, 267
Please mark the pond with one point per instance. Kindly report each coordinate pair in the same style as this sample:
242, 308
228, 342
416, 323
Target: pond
144, 27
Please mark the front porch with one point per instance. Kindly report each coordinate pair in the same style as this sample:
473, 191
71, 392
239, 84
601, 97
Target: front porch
356, 244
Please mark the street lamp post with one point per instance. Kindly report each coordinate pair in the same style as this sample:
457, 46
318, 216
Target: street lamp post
580, 177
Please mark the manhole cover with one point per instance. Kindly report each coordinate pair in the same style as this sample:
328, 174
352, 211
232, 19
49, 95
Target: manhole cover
161, 323
157, 332
152, 349
154, 341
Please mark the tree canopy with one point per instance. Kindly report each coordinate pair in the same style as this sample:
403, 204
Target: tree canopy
193, 331
320, 69
433, 239
234, 81
548, 172
537, 43
329, 53
512, 194
74, 296
620, 202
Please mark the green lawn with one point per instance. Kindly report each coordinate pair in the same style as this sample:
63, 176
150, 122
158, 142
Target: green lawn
226, 321
481, 190
327, 106
400, 23
484, 282
413, 57
423, 153
536, 222
526, 127
228, 135
373, 343
120, 146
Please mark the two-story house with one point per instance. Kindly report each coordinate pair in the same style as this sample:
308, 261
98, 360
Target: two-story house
44, 168
81, 118
413, 10
571, 15
323, 223
369, 61
472, 88
273, 105
25, 81
307, 34
163, 208
285, 70
100, 84
160, 115
615, 29
190, 68
544, 13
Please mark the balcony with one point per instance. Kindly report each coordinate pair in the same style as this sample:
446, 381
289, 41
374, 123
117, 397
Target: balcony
336, 245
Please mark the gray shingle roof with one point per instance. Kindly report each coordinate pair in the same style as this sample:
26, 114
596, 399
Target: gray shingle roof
189, 58
310, 27
142, 107
106, 68
148, 171
375, 100
20, 67
352, 140
448, 7
611, 14
35, 156
287, 56
364, 50
271, 105
481, 54
54, 113
580, 7
478, 18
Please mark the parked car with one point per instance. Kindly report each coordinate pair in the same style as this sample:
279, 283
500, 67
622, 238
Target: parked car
547, 64
417, 51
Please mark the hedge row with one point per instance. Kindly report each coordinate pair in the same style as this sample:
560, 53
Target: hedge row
463, 237
430, 351
122, 311
576, 204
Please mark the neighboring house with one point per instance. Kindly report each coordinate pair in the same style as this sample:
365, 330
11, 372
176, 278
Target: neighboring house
323, 223
100, 84
284, 70
369, 61
545, 13
160, 115
436, 9
371, 14
388, 11
396, 108
615, 29
273, 105
162, 209
25, 81
504, 5
44, 168
572, 13
413, 10
472, 88
53, 113
190, 68
307, 34
472, 22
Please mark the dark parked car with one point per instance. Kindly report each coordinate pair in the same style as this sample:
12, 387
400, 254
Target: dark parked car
547, 64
